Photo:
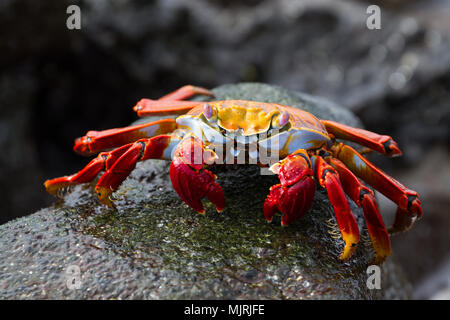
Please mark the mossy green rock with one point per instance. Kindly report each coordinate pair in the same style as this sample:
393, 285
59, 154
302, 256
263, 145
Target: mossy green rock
155, 247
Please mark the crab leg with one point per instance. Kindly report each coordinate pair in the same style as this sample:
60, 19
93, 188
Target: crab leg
365, 199
171, 103
147, 107
409, 206
186, 92
159, 147
328, 178
102, 162
372, 140
96, 141
117, 164
189, 177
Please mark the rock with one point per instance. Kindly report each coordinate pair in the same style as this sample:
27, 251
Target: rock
154, 247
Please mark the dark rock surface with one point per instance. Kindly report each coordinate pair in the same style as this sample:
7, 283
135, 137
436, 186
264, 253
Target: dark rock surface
155, 247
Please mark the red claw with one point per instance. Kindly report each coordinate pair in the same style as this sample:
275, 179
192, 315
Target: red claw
189, 178
294, 196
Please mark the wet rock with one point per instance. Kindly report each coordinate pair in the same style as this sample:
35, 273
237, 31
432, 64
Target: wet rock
154, 247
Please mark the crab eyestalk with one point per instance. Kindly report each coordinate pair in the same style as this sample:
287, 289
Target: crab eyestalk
209, 112
281, 120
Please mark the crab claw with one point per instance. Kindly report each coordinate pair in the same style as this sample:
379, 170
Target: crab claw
189, 178
293, 197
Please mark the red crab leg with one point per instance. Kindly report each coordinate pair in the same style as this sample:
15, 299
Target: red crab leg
96, 141
189, 177
294, 195
147, 107
171, 103
186, 92
409, 206
372, 140
102, 162
365, 199
329, 179
159, 147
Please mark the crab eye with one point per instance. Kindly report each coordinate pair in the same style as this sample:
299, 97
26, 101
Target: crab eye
281, 120
207, 111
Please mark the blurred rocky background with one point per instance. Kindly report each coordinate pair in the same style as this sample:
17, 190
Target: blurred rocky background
55, 84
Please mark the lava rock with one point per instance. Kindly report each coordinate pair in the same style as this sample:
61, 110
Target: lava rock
152, 246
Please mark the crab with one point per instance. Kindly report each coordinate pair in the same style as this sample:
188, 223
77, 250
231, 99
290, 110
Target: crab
307, 151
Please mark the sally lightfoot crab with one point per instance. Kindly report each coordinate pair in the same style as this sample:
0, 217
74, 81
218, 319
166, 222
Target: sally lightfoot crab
301, 149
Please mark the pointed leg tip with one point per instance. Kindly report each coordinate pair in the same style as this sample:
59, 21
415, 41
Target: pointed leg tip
382, 250
348, 251
203, 91
395, 151
284, 224
104, 196
49, 188
346, 255
381, 245
54, 185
